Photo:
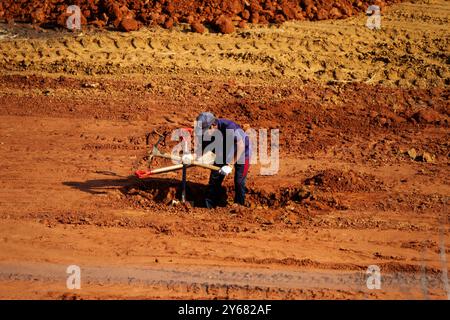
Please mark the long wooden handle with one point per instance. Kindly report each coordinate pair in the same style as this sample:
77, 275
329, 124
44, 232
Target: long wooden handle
167, 169
194, 163
205, 165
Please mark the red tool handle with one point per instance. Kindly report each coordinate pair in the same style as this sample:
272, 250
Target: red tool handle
143, 173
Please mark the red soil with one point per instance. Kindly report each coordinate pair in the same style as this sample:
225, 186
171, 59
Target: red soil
129, 15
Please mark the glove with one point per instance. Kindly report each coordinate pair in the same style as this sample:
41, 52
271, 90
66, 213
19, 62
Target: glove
187, 158
225, 170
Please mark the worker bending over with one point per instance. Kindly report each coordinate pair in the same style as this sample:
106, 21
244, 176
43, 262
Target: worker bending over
232, 148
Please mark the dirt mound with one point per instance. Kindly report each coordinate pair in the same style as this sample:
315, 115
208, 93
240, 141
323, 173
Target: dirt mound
146, 194
127, 15
158, 192
426, 115
339, 181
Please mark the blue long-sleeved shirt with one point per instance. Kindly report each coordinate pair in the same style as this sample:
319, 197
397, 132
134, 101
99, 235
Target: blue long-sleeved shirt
231, 133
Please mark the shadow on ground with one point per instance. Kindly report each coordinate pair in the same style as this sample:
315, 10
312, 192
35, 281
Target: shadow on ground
159, 190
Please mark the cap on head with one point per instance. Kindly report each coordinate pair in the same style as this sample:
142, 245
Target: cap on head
205, 120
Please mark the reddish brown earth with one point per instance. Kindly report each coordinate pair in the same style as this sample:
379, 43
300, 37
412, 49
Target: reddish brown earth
364, 161
126, 15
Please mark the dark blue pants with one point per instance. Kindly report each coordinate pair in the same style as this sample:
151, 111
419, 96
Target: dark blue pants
215, 185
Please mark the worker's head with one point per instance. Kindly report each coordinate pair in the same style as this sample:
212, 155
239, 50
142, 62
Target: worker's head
205, 122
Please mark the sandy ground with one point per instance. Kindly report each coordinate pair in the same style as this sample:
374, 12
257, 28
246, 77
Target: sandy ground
364, 171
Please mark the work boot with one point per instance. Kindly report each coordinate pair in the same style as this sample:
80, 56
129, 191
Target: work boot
209, 203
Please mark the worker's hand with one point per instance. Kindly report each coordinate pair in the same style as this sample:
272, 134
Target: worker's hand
225, 170
187, 158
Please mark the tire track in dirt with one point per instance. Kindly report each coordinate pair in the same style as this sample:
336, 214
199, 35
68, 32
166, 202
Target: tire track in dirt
249, 282
411, 50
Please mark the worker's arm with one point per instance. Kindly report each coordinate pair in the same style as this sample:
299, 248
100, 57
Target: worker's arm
240, 149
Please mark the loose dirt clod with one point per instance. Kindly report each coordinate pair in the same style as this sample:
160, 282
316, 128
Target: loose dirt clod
129, 24
225, 25
426, 115
340, 181
198, 27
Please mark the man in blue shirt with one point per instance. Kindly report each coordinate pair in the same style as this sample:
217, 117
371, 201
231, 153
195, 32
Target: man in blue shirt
232, 148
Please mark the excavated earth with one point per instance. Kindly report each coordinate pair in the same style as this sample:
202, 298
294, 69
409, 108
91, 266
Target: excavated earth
363, 178
217, 15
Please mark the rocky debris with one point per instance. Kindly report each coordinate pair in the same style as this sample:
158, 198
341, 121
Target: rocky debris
93, 85
340, 181
98, 23
412, 153
242, 24
422, 157
427, 157
168, 24
225, 25
128, 15
428, 116
197, 27
38, 16
129, 24
122, 17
